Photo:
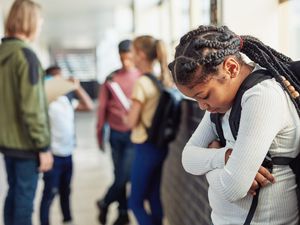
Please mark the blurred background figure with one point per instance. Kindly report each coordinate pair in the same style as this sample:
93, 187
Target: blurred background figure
148, 161
112, 110
58, 180
24, 129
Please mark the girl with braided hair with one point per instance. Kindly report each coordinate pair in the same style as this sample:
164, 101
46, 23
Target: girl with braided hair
209, 68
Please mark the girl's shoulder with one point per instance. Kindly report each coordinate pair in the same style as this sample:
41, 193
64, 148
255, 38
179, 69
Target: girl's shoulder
269, 88
145, 81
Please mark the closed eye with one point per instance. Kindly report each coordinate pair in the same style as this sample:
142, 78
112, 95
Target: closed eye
202, 98
206, 97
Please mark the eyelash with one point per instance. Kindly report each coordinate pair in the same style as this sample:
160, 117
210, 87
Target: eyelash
206, 97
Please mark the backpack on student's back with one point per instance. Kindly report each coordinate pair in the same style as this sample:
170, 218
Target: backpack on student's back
166, 119
234, 122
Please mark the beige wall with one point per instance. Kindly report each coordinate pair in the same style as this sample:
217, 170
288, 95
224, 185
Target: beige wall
1, 20
271, 22
255, 17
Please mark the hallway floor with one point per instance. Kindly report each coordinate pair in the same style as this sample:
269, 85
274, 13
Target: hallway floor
92, 175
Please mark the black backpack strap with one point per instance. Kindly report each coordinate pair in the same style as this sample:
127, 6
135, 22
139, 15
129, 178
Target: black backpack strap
235, 114
156, 81
267, 163
160, 88
234, 123
252, 208
216, 118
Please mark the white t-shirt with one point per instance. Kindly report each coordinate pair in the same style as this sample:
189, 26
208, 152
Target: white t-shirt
269, 122
61, 114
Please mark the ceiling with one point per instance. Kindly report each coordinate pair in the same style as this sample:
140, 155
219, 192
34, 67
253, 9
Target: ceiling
80, 22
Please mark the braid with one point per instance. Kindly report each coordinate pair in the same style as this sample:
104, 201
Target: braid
208, 46
277, 63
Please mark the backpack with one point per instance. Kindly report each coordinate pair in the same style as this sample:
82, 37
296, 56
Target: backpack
234, 121
166, 118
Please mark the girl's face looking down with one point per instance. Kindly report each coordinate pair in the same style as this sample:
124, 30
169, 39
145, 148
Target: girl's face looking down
217, 92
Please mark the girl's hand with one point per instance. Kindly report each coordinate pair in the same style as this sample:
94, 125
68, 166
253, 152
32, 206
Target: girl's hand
215, 144
262, 179
75, 81
227, 154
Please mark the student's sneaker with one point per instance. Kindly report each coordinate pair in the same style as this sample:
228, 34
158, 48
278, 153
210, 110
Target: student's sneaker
103, 210
123, 219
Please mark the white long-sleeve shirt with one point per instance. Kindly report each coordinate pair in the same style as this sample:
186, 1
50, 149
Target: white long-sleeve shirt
269, 122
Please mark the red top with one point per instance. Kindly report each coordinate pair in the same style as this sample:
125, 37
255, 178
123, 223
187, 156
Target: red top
110, 109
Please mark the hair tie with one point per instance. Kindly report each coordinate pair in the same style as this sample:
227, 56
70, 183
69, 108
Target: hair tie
241, 42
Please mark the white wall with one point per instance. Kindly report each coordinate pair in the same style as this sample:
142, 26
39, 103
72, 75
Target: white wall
259, 18
291, 33
107, 48
1, 20
275, 24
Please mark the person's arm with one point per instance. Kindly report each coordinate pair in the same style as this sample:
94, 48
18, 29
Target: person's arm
102, 115
34, 107
33, 101
262, 178
85, 102
197, 158
261, 119
133, 117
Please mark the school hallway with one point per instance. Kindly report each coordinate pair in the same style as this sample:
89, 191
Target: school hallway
92, 175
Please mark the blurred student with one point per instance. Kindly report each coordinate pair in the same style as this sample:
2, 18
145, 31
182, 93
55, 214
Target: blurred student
148, 162
24, 129
112, 111
58, 180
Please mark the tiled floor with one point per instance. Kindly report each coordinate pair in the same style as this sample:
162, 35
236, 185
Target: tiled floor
92, 176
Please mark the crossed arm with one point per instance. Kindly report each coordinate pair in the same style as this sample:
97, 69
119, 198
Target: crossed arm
239, 174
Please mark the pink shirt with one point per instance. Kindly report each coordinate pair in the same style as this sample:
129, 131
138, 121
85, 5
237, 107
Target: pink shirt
110, 109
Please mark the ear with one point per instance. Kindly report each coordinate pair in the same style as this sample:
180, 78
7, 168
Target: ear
231, 67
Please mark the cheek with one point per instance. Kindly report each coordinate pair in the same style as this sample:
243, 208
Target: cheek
135, 60
219, 99
224, 99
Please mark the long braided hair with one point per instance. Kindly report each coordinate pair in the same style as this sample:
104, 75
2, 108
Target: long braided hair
207, 47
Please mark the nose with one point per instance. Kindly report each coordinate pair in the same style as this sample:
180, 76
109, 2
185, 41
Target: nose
202, 105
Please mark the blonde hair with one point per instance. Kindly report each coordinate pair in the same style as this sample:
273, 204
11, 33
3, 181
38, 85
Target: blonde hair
155, 49
23, 18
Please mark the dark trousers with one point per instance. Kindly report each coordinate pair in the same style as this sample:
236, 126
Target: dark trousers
145, 183
122, 155
57, 180
22, 177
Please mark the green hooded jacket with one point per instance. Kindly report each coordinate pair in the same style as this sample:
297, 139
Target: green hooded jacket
24, 123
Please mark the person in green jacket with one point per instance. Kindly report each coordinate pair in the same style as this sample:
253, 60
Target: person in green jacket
24, 125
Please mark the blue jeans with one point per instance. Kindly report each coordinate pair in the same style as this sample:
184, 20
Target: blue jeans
56, 181
122, 155
145, 183
22, 177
